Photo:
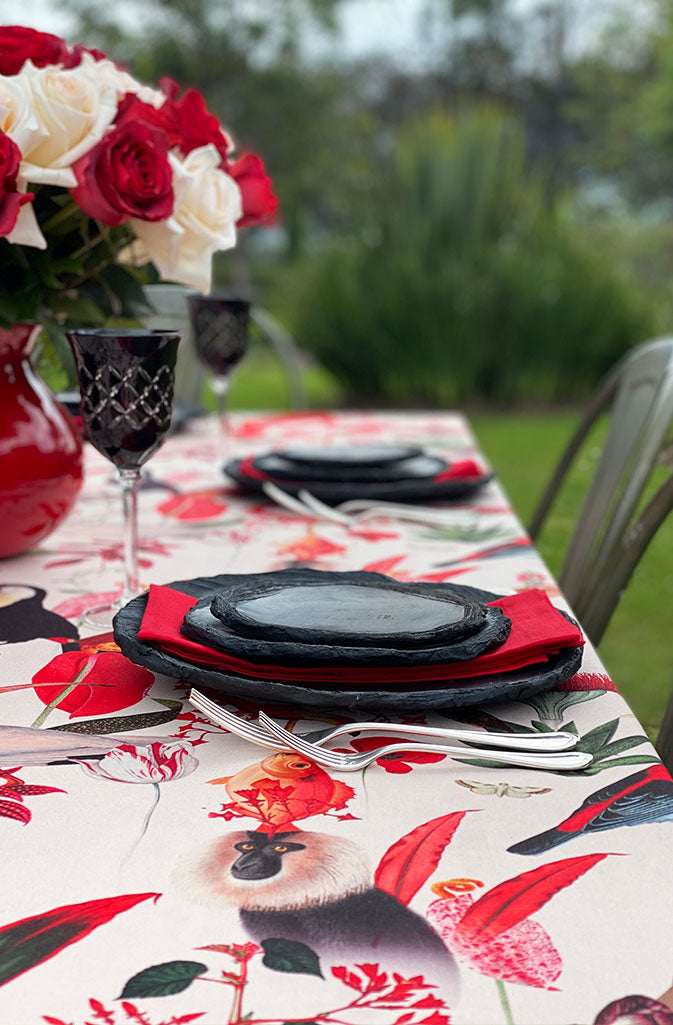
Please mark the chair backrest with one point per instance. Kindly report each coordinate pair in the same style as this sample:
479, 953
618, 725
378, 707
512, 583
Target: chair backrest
609, 540
286, 349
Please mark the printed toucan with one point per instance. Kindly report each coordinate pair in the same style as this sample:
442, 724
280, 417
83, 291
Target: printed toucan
22, 617
646, 796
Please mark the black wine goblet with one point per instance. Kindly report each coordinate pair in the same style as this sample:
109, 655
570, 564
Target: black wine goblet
126, 378
220, 328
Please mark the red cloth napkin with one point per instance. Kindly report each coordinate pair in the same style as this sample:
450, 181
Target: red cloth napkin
464, 469
538, 630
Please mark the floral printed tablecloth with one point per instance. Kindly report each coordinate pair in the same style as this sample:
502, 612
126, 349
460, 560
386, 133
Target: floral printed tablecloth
496, 895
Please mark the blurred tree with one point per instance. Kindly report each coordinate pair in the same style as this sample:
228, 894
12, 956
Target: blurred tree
246, 60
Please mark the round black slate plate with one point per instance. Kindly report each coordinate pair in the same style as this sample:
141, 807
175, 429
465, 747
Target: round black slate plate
362, 613
420, 467
394, 491
510, 686
348, 456
201, 625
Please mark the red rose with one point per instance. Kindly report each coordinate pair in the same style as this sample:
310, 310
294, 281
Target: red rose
10, 200
126, 175
259, 201
19, 44
75, 56
109, 684
193, 125
131, 109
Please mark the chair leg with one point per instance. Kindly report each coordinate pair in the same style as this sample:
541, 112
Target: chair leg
664, 743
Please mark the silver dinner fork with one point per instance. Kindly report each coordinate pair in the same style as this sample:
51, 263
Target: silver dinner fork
556, 760
534, 742
354, 511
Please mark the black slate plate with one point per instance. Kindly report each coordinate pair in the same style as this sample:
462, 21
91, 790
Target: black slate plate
201, 625
362, 612
394, 491
510, 686
348, 456
420, 467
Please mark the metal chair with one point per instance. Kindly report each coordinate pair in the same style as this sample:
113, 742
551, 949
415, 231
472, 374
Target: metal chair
612, 532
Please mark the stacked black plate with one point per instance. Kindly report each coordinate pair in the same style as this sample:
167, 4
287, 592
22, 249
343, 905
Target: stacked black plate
292, 624
339, 473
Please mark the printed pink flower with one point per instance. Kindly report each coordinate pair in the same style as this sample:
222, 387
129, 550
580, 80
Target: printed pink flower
524, 953
154, 764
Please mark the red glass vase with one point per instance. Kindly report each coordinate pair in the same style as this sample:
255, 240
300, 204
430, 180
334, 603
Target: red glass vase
40, 449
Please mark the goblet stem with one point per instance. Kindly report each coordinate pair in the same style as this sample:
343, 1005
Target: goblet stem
220, 386
129, 481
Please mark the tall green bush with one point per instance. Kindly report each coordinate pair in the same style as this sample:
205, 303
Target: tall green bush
466, 282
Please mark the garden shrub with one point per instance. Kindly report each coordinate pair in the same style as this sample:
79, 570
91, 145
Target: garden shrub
466, 282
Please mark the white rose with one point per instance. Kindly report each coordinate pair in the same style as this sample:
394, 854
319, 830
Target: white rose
18, 119
207, 205
123, 83
73, 107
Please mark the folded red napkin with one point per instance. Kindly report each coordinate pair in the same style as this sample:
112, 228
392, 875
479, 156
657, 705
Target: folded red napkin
464, 469
538, 630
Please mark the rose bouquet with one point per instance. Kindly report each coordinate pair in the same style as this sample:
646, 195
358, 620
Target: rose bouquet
106, 183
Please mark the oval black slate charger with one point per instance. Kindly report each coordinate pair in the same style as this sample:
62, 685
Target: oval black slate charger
348, 456
419, 467
362, 613
440, 696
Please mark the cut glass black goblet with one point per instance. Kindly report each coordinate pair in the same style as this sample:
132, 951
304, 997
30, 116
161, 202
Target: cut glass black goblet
126, 378
220, 328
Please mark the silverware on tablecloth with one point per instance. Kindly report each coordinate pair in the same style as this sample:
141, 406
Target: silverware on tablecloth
354, 511
557, 761
261, 734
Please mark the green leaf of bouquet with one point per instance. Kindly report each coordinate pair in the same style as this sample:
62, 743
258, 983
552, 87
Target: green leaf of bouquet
290, 956
78, 310
128, 290
162, 980
123, 723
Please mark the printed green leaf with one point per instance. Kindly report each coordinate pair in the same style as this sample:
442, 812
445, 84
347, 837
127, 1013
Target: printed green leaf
30, 941
290, 956
617, 747
123, 723
162, 980
596, 739
598, 766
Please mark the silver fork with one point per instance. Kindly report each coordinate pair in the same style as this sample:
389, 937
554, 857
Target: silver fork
556, 761
540, 742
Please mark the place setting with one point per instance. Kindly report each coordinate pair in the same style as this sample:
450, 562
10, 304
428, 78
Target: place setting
352, 641
338, 473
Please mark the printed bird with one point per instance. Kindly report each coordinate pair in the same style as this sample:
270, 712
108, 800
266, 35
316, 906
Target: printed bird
281, 788
22, 617
646, 796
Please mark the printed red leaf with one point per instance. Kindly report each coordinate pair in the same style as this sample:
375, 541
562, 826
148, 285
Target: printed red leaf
28, 789
55, 1021
348, 978
516, 899
101, 1013
33, 940
12, 810
383, 565
408, 863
